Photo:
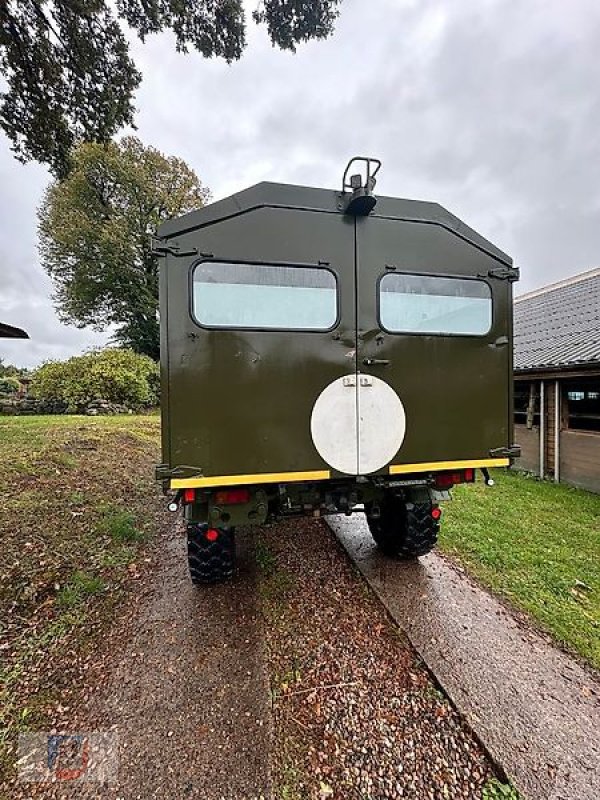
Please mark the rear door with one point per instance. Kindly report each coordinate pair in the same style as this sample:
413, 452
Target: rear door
434, 328
261, 322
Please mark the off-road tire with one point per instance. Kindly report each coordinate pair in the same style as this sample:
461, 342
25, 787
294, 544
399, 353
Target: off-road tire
210, 562
404, 530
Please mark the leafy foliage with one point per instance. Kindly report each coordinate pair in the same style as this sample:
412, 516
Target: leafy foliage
69, 77
8, 385
289, 23
119, 376
9, 370
68, 70
95, 228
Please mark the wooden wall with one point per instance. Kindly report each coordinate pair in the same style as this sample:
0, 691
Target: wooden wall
580, 459
529, 441
579, 450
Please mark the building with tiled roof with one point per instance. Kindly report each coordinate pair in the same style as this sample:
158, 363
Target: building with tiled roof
557, 379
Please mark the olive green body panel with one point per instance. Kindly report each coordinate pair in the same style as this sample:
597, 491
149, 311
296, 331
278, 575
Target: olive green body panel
239, 402
455, 389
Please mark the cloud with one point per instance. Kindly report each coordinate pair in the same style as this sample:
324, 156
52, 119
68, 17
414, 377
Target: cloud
25, 289
489, 107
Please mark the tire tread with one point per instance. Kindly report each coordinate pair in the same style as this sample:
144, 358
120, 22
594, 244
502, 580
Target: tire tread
404, 530
209, 562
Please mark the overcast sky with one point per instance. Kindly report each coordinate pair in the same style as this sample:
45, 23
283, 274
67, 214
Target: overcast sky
489, 107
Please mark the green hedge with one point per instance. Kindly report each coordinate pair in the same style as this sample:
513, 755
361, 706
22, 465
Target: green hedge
115, 375
8, 385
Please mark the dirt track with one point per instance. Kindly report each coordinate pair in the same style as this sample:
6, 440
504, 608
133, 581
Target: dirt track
185, 690
189, 681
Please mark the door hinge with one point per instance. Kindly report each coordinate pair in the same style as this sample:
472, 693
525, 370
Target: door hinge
514, 451
159, 248
502, 273
163, 471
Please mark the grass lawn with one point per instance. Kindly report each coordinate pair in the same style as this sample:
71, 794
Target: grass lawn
78, 511
537, 544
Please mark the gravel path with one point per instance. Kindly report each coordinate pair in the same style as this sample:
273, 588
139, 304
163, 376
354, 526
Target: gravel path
536, 709
185, 690
356, 714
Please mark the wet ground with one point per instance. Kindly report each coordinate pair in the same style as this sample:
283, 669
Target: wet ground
536, 709
356, 714
293, 676
185, 690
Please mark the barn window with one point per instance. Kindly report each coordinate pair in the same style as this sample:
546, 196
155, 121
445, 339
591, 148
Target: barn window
264, 296
433, 305
527, 403
583, 402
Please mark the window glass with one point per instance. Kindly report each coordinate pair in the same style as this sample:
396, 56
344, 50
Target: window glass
527, 403
582, 398
264, 296
425, 304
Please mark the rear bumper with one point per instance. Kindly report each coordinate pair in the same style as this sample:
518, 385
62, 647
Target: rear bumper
206, 482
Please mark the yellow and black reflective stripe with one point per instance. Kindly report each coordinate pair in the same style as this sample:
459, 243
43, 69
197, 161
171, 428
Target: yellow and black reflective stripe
244, 480
200, 482
438, 466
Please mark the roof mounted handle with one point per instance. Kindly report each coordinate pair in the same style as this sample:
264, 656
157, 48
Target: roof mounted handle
361, 202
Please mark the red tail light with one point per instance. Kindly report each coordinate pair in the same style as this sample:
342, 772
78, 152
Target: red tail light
189, 496
212, 534
232, 497
445, 480
436, 512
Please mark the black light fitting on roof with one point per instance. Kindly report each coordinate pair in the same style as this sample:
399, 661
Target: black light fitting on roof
358, 196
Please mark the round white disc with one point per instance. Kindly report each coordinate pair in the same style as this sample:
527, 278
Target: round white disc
358, 424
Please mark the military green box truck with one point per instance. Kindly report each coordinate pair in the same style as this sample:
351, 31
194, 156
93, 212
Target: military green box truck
328, 351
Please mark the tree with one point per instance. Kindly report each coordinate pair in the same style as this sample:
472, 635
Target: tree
95, 232
10, 371
68, 70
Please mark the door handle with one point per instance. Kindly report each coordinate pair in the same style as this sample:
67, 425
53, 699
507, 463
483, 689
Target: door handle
376, 362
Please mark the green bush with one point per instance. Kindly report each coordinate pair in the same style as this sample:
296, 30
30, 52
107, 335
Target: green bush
115, 375
9, 385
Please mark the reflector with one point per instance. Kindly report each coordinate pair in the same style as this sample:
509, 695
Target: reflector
189, 495
231, 497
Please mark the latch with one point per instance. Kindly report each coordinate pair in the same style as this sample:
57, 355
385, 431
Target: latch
159, 248
163, 472
366, 380
511, 274
376, 362
514, 451
349, 380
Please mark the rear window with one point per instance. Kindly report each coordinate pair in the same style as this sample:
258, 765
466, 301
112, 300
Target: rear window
227, 295
426, 304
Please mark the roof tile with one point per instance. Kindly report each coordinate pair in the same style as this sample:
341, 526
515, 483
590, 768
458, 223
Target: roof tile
560, 325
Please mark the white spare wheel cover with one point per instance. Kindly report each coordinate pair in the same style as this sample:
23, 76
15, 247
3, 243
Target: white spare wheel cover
358, 429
